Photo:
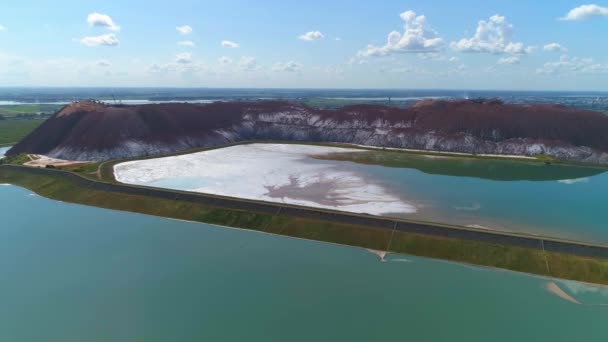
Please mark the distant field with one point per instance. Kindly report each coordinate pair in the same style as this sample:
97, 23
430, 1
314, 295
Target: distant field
13, 130
27, 109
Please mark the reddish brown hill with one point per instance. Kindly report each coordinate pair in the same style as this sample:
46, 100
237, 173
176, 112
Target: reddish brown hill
93, 131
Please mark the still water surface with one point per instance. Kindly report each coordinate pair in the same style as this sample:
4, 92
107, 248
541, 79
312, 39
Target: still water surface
76, 273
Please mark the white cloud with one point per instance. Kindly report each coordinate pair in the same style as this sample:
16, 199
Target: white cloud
103, 64
186, 43
225, 60
492, 36
573, 65
230, 44
585, 12
435, 56
183, 58
161, 68
554, 47
185, 29
102, 20
311, 36
3, 28
417, 37
290, 66
509, 60
248, 63
397, 70
109, 39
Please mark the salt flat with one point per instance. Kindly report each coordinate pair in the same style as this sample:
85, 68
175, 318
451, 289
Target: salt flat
282, 173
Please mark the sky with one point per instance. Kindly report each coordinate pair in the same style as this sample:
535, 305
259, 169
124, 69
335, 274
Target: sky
416, 44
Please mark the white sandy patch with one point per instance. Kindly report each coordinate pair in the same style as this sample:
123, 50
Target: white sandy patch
379, 254
270, 172
574, 181
478, 226
38, 160
556, 290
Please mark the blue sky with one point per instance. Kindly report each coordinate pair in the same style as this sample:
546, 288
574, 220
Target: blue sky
519, 45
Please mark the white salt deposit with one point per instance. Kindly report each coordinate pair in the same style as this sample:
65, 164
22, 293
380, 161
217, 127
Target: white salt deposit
269, 172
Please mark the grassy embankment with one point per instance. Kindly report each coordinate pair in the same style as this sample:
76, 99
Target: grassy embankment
513, 258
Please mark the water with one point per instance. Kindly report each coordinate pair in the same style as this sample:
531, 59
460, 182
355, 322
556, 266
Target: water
75, 273
3, 151
559, 201
402, 97
530, 197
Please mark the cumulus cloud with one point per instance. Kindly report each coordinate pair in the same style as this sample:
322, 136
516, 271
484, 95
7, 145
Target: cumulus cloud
103, 64
585, 12
102, 20
188, 43
509, 60
554, 47
183, 58
573, 65
248, 63
230, 44
417, 37
109, 39
185, 29
492, 36
290, 66
311, 36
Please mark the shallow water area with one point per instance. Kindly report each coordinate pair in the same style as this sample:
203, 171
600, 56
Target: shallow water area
270, 172
519, 196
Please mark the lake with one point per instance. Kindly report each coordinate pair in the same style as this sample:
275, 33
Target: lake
3, 150
77, 273
530, 197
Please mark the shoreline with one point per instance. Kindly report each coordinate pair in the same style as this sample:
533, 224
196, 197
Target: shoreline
278, 173
455, 244
448, 154
551, 284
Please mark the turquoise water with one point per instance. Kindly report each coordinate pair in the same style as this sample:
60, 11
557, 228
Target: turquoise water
567, 208
75, 273
3, 150
550, 200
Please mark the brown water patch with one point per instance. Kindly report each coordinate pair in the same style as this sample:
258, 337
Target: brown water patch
324, 191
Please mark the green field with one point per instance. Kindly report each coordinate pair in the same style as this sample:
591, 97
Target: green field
13, 130
54, 186
28, 109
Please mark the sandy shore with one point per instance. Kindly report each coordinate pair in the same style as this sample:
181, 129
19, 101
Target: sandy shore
556, 290
39, 160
